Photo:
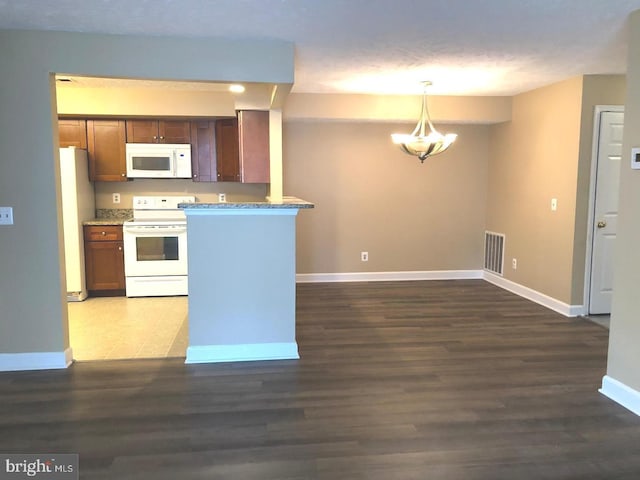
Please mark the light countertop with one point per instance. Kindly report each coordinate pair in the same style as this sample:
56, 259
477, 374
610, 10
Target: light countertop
104, 221
287, 202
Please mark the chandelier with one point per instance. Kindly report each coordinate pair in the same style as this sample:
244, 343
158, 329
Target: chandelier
419, 143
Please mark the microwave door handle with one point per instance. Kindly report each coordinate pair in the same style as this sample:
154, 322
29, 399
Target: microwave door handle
175, 162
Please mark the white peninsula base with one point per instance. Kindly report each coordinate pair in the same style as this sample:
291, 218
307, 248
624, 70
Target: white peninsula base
242, 281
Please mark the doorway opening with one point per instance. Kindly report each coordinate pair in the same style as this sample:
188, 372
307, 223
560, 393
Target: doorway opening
116, 327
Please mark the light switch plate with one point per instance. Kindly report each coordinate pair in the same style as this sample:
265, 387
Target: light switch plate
6, 215
635, 158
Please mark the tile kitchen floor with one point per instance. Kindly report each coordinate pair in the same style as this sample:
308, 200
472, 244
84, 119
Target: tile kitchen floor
110, 328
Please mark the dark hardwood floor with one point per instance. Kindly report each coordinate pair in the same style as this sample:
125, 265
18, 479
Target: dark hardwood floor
406, 380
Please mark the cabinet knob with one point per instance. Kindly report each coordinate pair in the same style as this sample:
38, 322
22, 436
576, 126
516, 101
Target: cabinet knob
123, 174
103, 233
120, 248
161, 137
195, 175
155, 137
218, 175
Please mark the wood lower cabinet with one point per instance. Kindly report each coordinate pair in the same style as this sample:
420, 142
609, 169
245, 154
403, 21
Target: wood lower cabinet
253, 136
106, 150
72, 133
158, 131
104, 260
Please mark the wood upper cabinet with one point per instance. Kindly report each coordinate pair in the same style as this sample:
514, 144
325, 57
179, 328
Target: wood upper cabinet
106, 150
104, 260
214, 150
228, 161
253, 136
72, 133
158, 131
203, 151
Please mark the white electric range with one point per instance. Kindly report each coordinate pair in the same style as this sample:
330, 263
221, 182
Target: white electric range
155, 247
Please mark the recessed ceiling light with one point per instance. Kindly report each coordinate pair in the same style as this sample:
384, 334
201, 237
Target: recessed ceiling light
236, 88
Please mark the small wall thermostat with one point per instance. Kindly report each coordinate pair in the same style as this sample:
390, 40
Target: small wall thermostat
635, 158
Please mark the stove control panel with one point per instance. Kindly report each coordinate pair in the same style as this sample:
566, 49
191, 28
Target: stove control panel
160, 203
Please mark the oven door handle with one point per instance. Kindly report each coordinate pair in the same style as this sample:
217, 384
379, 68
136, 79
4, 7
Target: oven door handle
155, 232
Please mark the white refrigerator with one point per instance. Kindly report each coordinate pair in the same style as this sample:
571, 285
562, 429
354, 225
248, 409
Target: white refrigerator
78, 205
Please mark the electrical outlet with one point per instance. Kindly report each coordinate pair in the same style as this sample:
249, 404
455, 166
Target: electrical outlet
554, 204
116, 198
222, 197
514, 263
6, 215
364, 256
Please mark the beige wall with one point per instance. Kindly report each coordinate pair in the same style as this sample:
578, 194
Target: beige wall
596, 90
533, 159
370, 196
34, 314
400, 108
624, 337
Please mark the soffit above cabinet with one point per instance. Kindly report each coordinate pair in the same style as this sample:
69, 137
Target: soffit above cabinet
124, 96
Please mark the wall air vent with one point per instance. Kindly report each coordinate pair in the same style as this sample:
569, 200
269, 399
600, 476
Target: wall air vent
494, 252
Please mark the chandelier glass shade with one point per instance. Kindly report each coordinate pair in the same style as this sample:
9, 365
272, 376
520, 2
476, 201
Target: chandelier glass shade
419, 142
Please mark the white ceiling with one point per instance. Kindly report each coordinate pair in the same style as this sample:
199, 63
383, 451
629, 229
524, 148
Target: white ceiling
466, 47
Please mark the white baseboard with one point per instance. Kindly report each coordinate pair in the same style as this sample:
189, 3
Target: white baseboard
10, 362
535, 296
242, 352
388, 276
621, 394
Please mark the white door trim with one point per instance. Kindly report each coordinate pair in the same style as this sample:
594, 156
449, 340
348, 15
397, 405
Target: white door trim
592, 197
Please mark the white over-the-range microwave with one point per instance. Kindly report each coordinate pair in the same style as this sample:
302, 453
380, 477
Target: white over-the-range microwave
158, 160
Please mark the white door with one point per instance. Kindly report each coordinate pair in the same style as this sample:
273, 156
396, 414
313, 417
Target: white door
606, 211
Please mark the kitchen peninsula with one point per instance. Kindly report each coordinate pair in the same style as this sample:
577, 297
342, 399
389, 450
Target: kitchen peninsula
242, 280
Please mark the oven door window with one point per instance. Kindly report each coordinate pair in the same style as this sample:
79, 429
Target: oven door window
152, 249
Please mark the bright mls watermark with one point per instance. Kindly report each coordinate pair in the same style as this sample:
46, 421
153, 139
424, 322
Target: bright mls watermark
46, 466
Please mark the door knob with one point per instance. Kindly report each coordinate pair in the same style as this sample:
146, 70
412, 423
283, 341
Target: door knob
602, 224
